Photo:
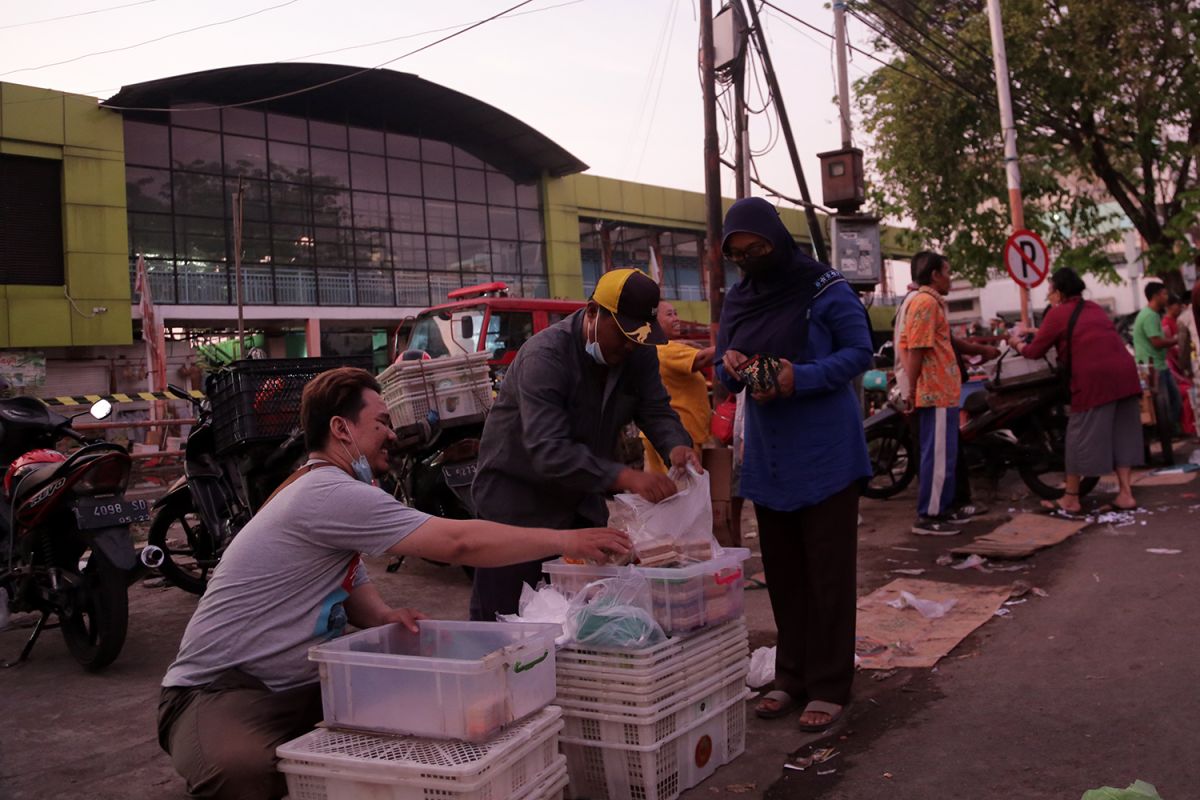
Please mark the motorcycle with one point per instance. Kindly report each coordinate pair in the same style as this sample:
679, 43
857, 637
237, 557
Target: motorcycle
1023, 430
66, 548
197, 518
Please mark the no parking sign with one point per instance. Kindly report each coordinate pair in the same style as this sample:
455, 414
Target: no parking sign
1027, 258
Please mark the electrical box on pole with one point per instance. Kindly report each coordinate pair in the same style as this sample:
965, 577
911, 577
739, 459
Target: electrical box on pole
857, 253
729, 38
842, 184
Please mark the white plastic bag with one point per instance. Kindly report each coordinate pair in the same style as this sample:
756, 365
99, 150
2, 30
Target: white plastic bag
614, 612
762, 667
929, 609
678, 528
544, 604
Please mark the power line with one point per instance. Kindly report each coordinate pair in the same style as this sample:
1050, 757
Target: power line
73, 16
151, 41
323, 84
662, 78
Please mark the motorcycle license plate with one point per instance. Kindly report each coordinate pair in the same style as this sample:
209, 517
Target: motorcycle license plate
459, 475
97, 512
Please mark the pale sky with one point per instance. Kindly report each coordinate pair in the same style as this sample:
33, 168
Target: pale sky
615, 82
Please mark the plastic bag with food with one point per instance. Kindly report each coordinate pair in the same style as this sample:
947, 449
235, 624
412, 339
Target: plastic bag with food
677, 530
614, 612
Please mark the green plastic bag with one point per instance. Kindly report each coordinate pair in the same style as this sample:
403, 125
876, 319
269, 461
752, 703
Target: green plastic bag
1138, 790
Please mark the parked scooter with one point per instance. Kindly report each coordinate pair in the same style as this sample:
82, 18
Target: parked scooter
65, 546
202, 511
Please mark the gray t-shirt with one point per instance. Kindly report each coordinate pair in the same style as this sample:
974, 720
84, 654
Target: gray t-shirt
280, 586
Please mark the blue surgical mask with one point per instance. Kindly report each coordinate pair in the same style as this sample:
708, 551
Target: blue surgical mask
360, 466
593, 345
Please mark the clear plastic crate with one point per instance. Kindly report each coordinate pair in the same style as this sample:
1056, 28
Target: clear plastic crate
676, 652
329, 764
682, 598
452, 680
613, 771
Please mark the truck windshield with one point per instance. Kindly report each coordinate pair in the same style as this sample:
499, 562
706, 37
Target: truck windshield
446, 333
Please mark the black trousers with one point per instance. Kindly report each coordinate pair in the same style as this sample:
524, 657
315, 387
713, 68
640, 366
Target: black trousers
809, 557
497, 590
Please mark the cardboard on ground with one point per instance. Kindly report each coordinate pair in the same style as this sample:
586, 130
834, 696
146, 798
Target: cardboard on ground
911, 639
1022, 535
1166, 479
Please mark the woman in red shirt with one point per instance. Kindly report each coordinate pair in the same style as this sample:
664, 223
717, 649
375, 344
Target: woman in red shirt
1105, 430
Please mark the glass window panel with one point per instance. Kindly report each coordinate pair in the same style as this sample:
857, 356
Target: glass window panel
503, 222
330, 167
412, 289
531, 225
533, 263
501, 190
375, 287
472, 220
292, 244
199, 194
330, 206
245, 156
370, 210
332, 246
196, 115
408, 213
408, 252
256, 205
256, 251
290, 203
464, 159
289, 162
366, 140
148, 189
196, 150
527, 195
374, 256
476, 255
443, 252
470, 186
376, 238
202, 284
162, 279
535, 286
436, 152
404, 177
150, 235
440, 217
335, 287
438, 181
327, 134
147, 143
506, 257
287, 129
399, 145
295, 286
244, 121
368, 172
507, 331
441, 284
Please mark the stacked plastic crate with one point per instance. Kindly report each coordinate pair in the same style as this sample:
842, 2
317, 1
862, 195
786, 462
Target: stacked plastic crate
651, 723
458, 711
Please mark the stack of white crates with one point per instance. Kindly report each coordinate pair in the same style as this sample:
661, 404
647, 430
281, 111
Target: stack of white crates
458, 711
651, 723
448, 388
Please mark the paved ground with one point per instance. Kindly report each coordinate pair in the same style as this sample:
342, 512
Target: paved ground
1092, 685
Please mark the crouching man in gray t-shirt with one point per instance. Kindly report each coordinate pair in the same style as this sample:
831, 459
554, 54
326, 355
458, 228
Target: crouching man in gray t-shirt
294, 577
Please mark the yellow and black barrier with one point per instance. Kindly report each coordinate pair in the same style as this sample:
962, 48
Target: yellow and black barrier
119, 397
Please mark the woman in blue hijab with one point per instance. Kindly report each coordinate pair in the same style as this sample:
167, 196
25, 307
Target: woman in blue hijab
796, 335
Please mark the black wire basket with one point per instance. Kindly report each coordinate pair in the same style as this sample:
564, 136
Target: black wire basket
258, 400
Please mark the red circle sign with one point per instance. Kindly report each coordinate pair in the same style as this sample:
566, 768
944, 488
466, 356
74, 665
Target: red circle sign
1027, 258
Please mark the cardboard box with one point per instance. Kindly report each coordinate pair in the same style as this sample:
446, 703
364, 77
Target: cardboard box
1147, 408
718, 462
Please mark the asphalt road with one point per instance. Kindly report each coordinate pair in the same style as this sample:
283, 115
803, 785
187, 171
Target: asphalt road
1091, 685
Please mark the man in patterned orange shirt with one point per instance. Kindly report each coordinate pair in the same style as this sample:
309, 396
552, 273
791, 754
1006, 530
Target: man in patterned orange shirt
935, 384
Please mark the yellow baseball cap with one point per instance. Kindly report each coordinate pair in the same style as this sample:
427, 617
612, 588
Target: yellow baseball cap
631, 296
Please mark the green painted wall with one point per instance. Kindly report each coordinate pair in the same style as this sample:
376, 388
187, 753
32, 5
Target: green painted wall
89, 142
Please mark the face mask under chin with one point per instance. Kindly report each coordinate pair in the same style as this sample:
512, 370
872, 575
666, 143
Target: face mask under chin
360, 466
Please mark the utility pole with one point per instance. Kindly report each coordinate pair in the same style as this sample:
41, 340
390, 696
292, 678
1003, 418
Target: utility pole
741, 142
814, 227
839, 32
1012, 168
712, 170
239, 204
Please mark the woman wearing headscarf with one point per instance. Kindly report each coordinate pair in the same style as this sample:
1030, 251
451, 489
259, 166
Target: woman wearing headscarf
1104, 433
796, 336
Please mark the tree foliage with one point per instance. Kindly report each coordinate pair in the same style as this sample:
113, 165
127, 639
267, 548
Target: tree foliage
1106, 97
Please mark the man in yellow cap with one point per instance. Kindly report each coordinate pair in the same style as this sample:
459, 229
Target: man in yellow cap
548, 451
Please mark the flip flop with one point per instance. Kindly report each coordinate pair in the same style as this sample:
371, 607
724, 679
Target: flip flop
1109, 508
756, 582
787, 704
1050, 509
822, 707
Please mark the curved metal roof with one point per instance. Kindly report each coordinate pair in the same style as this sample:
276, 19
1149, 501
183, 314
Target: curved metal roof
399, 101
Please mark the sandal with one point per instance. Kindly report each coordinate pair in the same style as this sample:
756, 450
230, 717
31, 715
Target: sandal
784, 705
756, 581
822, 707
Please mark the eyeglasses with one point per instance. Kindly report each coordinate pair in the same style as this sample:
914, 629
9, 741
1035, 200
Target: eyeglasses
755, 250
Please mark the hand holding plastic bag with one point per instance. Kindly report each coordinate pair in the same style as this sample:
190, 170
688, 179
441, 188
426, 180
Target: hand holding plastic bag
614, 612
678, 528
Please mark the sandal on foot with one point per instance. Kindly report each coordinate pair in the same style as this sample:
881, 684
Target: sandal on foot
822, 707
784, 705
1051, 509
756, 581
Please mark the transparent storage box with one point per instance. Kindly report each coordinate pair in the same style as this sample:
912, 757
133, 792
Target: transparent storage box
683, 599
452, 680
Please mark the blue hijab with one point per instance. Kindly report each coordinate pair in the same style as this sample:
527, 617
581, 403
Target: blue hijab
763, 312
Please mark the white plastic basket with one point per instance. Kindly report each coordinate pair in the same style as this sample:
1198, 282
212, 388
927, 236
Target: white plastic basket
683, 599
671, 677
676, 652
452, 680
553, 787
330, 764
684, 685
613, 771
451, 387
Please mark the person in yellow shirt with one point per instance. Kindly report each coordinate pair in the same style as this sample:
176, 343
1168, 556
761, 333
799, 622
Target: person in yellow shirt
679, 364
